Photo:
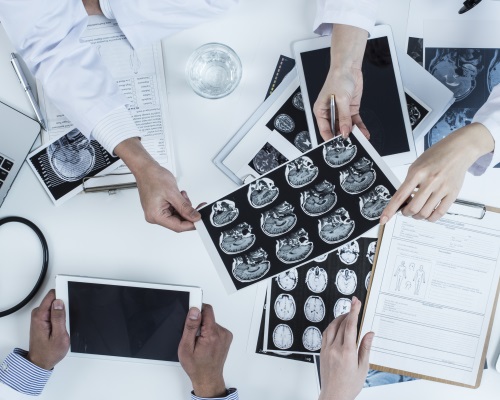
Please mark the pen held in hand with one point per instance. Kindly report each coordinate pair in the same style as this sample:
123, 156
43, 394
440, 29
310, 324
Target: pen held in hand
332, 114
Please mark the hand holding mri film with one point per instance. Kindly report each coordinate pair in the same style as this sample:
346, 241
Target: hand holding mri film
343, 368
49, 340
203, 356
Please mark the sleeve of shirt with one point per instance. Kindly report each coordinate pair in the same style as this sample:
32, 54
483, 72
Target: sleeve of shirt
23, 376
146, 21
232, 394
489, 116
47, 36
358, 13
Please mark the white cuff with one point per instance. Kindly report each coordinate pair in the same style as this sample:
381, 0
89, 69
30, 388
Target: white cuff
106, 9
114, 128
324, 24
489, 116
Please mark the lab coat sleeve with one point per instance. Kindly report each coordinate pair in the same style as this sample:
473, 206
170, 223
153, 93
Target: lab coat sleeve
489, 116
46, 34
358, 13
147, 21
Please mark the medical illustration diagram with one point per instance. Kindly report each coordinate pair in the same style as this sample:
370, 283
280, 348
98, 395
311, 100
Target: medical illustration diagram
419, 279
400, 275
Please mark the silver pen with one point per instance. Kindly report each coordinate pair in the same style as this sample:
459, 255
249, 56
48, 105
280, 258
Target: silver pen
27, 88
332, 114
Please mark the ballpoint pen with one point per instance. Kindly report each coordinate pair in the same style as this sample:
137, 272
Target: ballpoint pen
468, 5
27, 88
332, 113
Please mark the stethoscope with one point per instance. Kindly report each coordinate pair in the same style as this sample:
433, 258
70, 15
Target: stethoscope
45, 263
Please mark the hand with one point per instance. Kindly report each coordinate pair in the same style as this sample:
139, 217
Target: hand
345, 81
343, 370
161, 200
439, 174
49, 340
203, 357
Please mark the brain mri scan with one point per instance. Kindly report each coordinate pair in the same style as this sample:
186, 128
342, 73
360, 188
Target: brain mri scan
316, 279
283, 337
452, 120
346, 281
314, 309
251, 266
238, 239
342, 306
321, 258
367, 280
288, 280
284, 123
336, 227
298, 102
278, 220
303, 141
349, 252
300, 172
284, 307
294, 247
72, 157
370, 254
339, 152
319, 199
262, 192
267, 159
223, 212
359, 177
311, 339
373, 203
493, 77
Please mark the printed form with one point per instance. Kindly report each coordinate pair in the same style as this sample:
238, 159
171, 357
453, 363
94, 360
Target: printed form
433, 294
141, 77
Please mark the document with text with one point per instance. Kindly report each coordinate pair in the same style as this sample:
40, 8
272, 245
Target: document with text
433, 295
141, 77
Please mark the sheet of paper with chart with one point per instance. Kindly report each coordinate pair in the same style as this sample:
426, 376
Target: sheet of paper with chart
141, 77
433, 296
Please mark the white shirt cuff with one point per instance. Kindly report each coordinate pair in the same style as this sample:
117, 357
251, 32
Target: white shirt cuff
114, 128
106, 9
232, 394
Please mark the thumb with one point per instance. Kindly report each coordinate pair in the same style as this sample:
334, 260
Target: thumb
364, 350
183, 206
58, 318
191, 327
345, 118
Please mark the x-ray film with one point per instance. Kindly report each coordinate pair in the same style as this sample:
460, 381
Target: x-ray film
322, 290
283, 220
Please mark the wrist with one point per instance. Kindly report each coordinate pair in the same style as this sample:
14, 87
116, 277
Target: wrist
476, 141
348, 47
39, 363
134, 155
212, 389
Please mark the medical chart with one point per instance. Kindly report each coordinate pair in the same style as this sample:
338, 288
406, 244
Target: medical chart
303, 209
433, 291
141, 77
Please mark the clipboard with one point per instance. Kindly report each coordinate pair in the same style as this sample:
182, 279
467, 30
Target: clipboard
470, 210
109, 183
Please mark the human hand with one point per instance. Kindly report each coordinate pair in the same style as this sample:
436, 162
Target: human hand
439, 173
162, 201
343, 370
345, 81
49, 340
203, 357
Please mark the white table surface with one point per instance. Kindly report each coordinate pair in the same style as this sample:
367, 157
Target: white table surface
106, 236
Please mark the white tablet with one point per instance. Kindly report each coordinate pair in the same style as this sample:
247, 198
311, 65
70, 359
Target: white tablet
123, 320
383, 104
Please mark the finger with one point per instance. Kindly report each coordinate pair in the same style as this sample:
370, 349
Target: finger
356, 119
417, 202
176, 224
399, 198
42, 312
332, 329
191, 327
351, 325
364, 350
430, 205
323, 119
183, 206
443, 207
344, 114
58, 319
208, 318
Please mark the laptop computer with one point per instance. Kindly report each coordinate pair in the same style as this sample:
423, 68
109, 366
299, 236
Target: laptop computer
17, 135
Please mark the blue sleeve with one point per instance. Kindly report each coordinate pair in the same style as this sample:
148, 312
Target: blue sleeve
232, 394
23, 376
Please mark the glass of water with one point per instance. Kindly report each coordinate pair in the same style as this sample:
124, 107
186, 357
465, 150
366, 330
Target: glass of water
214, 70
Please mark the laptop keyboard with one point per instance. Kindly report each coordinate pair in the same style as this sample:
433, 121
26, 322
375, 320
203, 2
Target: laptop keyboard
5, 166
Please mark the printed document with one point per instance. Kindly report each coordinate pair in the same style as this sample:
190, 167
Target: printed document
432, 296
141, 77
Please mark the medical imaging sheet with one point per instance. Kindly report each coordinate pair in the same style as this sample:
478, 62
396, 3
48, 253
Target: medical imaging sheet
141, 77
432, 297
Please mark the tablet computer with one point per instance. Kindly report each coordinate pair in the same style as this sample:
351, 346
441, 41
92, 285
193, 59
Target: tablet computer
383, 104
125, 320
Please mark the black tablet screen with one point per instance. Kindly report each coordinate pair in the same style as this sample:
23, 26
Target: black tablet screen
381, 109
126, 321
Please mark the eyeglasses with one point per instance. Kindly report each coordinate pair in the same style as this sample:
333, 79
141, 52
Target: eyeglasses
468, 5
